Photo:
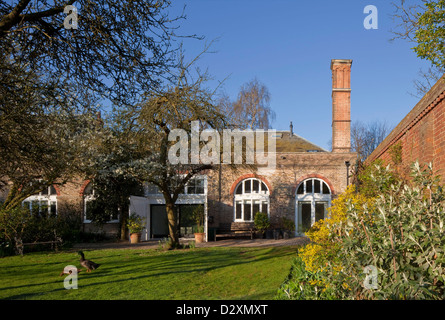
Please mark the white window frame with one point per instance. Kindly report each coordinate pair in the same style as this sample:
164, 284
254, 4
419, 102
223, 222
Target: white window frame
313, 198
90, 197
40, 198
153, 196
151, 189
260, 195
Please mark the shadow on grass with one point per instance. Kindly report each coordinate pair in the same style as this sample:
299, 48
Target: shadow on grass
196, 262
120, 267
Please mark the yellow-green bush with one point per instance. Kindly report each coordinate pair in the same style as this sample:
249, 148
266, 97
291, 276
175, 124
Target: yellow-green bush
398, 236
325, 235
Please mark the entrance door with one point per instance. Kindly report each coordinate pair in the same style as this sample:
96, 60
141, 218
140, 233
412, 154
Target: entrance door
159, 221
305, 215
313, 197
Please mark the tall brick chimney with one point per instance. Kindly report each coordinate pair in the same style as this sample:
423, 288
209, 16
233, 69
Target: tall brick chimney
341, 105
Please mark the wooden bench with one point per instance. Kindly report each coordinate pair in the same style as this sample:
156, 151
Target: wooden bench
235, 230
54, 244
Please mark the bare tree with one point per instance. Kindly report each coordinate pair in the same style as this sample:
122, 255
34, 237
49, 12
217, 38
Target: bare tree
252, 108
366, 137
150, 126
118, 50
426, 80
406, 18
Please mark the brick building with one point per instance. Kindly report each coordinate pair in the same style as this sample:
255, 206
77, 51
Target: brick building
300, 187
420, 136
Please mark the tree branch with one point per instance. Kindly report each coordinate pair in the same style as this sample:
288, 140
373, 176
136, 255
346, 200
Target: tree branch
15, 16
12, 18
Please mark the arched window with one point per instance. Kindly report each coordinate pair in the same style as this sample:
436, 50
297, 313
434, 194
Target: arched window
251, 196
313, 197
44, 202
91, 206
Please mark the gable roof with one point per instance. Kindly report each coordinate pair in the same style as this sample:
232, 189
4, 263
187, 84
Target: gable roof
291, 142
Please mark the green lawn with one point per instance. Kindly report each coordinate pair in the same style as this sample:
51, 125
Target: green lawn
199, 273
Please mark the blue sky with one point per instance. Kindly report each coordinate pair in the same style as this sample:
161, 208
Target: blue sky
288, 45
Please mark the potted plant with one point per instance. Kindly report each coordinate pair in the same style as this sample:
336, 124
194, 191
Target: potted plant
198, 215
135, 225
261, 222
288, 227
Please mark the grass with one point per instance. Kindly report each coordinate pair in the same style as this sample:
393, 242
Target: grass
199, 273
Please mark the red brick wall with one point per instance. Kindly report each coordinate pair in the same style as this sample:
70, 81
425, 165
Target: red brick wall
421, 133
292, 168
439, 138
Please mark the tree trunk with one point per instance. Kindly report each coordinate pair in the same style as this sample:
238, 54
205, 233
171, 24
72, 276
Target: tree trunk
18, 245
172, 224
124, 226
124, 213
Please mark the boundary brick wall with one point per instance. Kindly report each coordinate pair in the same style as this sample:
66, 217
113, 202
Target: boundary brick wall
421, 133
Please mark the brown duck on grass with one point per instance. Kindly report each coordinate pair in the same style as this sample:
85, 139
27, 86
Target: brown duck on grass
69, 271
88, 264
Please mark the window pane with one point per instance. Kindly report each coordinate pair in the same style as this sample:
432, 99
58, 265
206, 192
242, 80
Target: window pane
53, 191
317, 188
247, 186
247, 211
239, 189
44, 208
44, 192
325, 189
238, 210
88, 210
256, 207
199, 190
35, 207
190, 187
263, 187
53, 208
26, 205
319, 210
300, 188
256, 186
309, 186
200, 186
305, 211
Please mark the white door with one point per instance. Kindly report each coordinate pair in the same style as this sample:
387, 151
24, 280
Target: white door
140, 206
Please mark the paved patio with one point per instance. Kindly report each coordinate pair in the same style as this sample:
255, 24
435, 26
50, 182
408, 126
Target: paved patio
153, 244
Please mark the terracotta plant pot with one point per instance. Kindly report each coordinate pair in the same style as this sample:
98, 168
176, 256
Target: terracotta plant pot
135, 237
199, 237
